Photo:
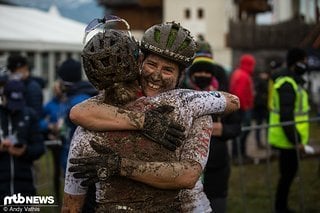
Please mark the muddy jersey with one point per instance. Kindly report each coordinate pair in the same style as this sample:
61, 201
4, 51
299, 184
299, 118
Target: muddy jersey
121, 192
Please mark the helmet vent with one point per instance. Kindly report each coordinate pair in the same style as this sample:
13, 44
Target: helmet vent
101, 44
184, 44
169, 40
172, 36
157, 36
92, 49
105, 61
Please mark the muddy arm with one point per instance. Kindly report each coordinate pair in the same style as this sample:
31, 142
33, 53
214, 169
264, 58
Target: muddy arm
93, 114
72, 203
232, 103
177, 175
97, 116
182, 172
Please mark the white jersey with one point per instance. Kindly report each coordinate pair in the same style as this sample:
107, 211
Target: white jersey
189, 105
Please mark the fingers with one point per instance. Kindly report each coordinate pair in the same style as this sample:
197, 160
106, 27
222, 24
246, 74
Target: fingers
86, 161
84, 175
81, 168
174, 141
99, 148
165, 109
168, 145
178, 127
165, 143
89, 181
176, 133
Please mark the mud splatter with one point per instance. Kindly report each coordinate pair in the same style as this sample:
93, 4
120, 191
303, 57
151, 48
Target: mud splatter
121, 191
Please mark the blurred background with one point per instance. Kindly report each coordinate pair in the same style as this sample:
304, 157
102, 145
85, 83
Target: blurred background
50, 31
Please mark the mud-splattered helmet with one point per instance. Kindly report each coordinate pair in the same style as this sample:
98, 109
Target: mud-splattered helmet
171, 41
110, 57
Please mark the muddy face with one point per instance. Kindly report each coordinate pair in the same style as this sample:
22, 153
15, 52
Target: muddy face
158, 75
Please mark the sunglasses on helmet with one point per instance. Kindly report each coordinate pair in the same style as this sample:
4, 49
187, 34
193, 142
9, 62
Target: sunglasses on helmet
97, 22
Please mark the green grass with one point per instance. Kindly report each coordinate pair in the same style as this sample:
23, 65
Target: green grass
251, 187
44, 181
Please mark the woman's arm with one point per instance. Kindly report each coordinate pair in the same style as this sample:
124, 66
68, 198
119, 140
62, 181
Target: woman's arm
232, 103
180, 174
163, 175
72, 203
95, 115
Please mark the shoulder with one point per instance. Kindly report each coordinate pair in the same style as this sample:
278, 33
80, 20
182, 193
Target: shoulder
285, 84
78, 98
28, 111
33, 84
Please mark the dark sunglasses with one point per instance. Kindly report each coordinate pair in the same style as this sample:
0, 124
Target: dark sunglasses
95, 23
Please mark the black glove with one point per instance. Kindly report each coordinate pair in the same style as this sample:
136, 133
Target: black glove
161, 129
95, 169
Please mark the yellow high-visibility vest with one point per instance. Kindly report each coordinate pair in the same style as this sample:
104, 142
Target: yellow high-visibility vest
276, 135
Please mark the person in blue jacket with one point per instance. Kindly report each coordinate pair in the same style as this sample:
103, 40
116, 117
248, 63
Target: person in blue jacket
21, 142
76, 91
51, 124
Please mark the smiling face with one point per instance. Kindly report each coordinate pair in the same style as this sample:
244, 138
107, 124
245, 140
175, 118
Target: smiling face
158, 75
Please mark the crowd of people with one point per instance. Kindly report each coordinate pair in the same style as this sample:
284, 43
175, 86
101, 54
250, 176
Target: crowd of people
149, 131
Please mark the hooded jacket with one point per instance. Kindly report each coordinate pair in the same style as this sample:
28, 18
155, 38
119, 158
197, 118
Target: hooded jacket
76, 93
16, 172
241, 83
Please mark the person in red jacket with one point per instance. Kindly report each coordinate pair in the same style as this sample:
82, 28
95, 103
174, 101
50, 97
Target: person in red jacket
241, 85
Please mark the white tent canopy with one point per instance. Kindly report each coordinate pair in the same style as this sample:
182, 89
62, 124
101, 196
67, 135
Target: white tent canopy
31, 29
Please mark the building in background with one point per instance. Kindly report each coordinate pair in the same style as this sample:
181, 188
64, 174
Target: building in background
291, 23
45, 38
207, 18
264, 28
141, 14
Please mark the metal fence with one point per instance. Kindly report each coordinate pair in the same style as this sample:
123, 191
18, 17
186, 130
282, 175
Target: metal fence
268, 158
45, 185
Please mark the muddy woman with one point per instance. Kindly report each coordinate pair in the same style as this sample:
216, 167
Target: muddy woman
148, 166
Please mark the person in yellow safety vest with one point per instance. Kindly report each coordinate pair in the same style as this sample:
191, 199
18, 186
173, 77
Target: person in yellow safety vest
289, 103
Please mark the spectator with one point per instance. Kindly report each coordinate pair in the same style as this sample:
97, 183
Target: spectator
260, 110
21, 142
3, 80
241, 85
76, 91
276, 68
20, 70
204, 74
289, 103
54, 113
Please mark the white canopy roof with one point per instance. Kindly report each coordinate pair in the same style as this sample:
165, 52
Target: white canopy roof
26, 29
